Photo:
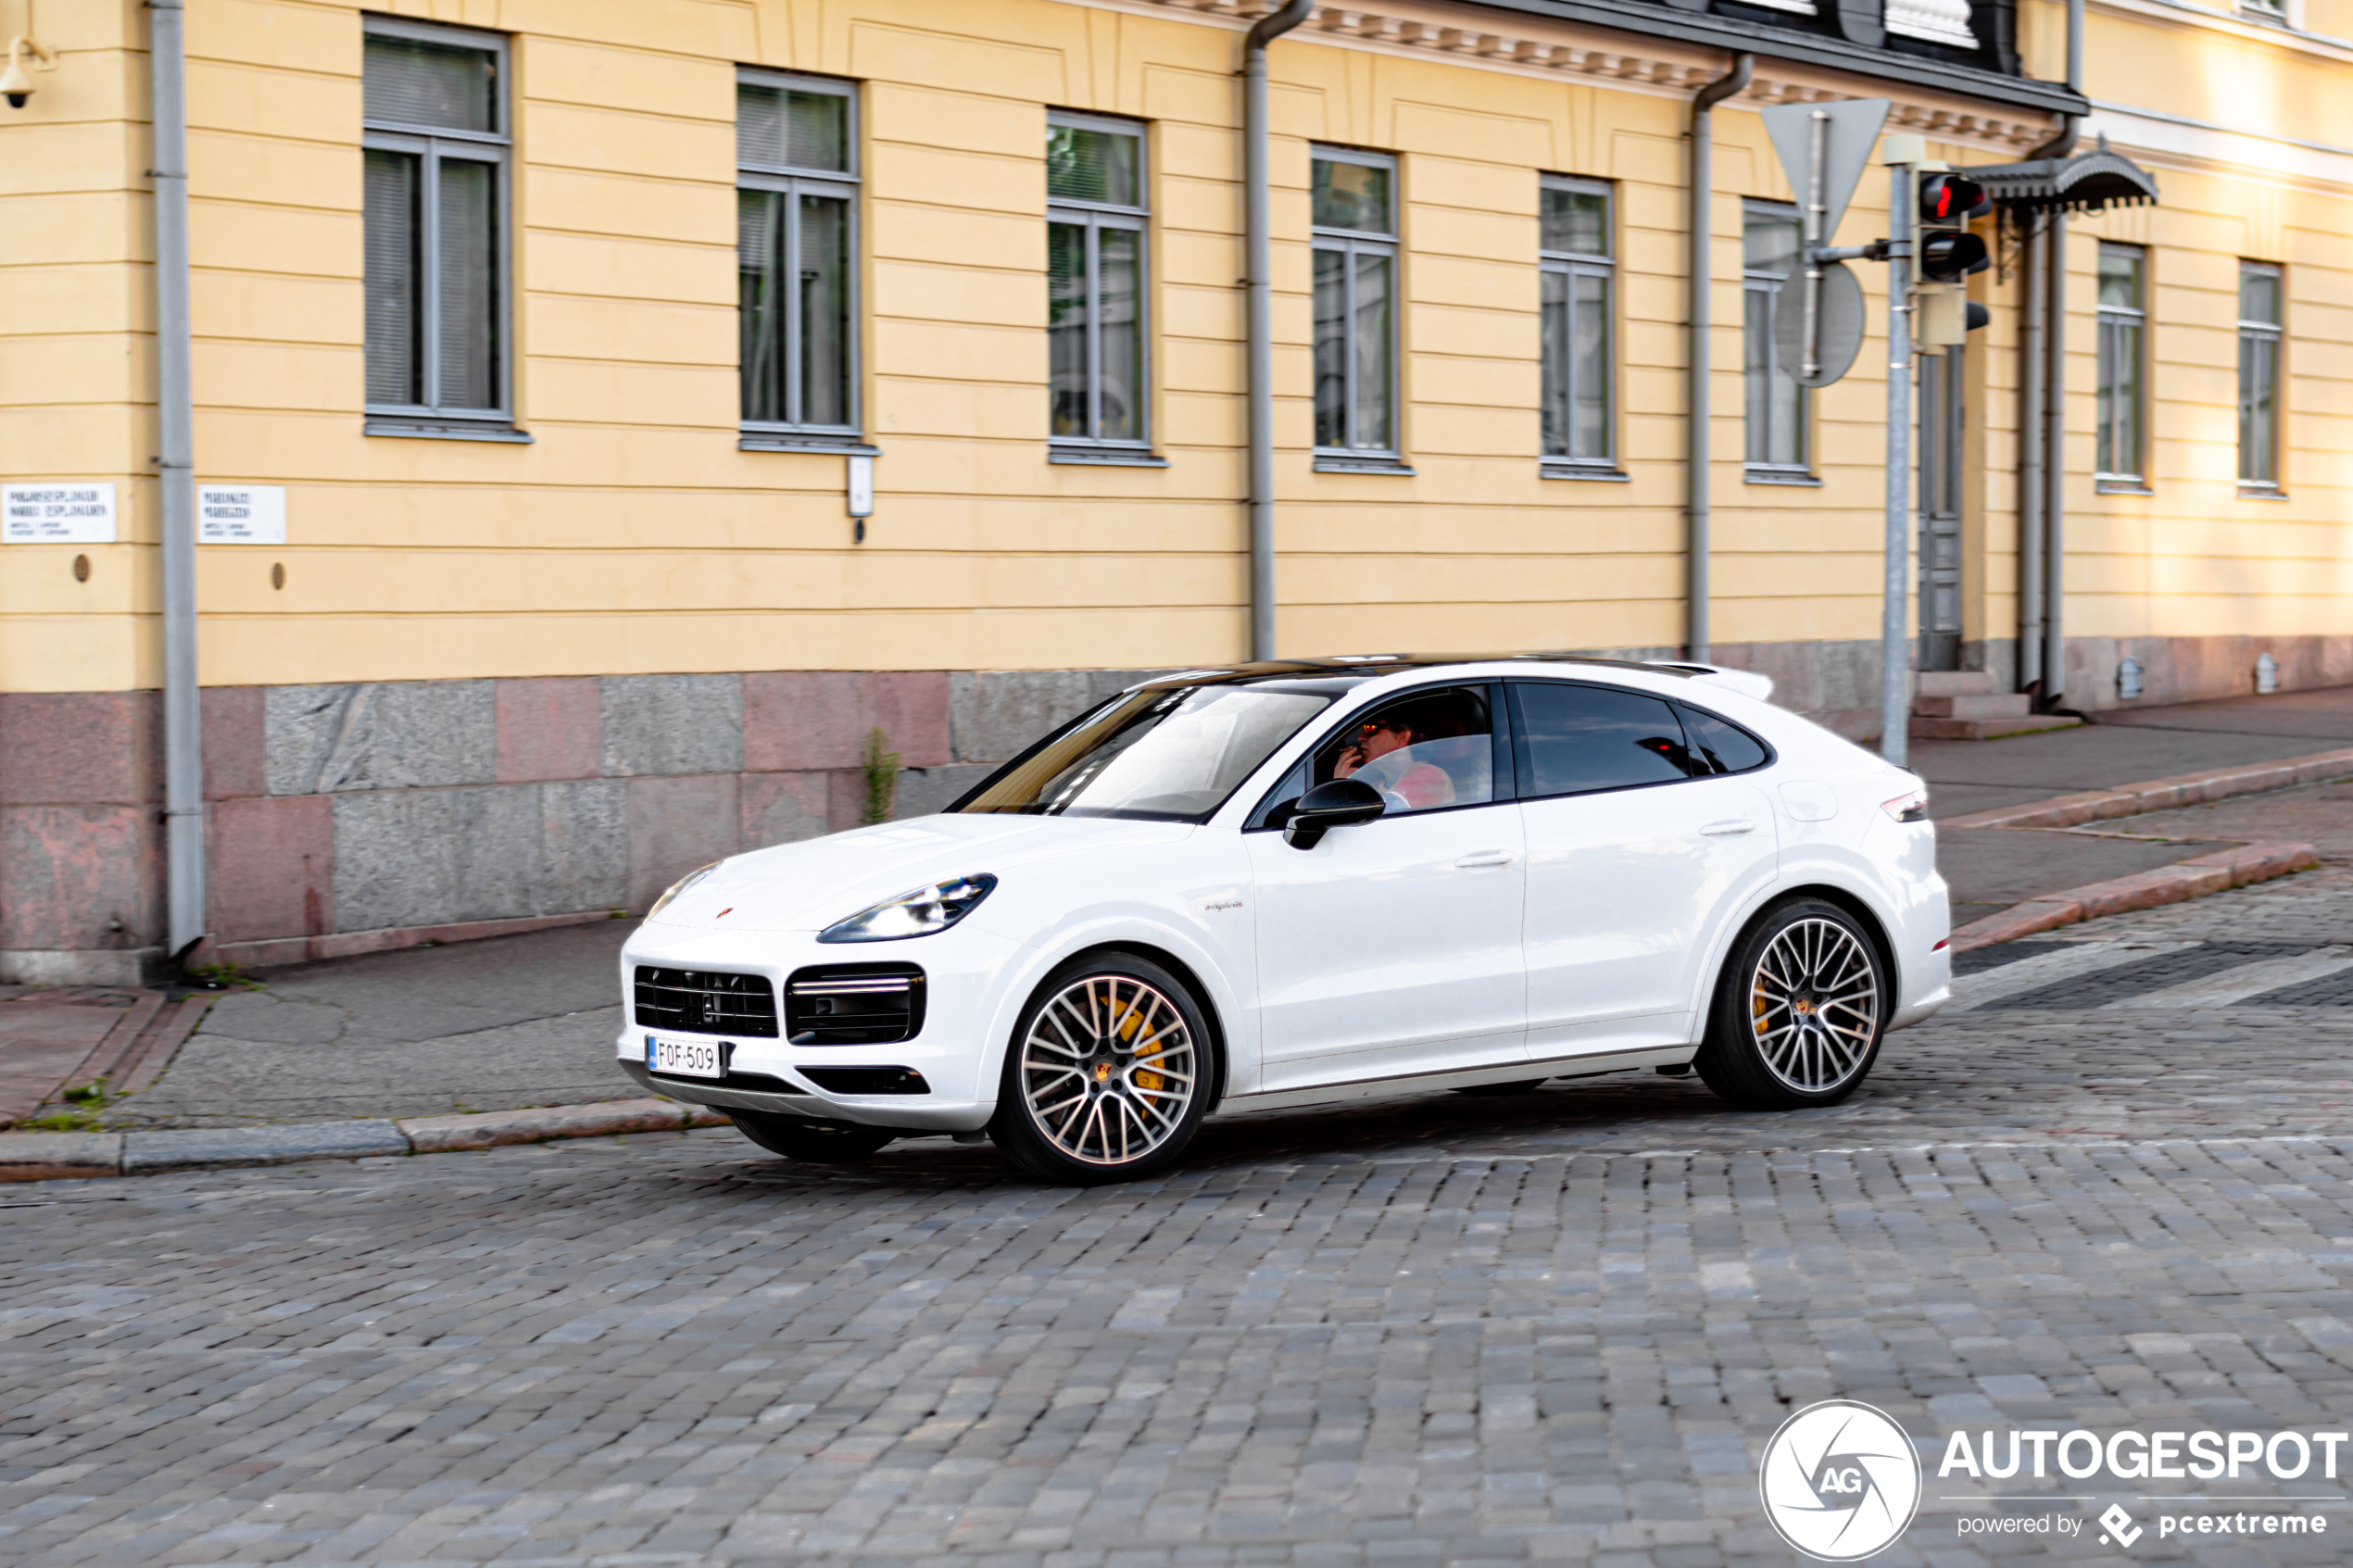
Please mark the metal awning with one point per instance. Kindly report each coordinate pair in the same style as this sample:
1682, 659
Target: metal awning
2086, 182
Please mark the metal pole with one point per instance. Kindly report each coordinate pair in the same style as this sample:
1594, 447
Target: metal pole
2055, 463
1895, 694
2029, 488
1699, 277
176, 518
1258, 267
1815, 240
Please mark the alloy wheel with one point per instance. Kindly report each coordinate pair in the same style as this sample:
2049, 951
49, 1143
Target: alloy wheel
1814, 1005
1108, 1070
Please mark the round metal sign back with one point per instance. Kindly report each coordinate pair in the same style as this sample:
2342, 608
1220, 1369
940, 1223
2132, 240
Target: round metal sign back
1839, 334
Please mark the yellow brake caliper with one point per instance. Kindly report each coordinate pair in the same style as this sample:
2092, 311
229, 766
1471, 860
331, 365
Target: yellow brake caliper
1130, 1021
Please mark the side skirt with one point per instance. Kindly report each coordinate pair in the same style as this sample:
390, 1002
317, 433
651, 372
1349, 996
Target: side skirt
1499, 1072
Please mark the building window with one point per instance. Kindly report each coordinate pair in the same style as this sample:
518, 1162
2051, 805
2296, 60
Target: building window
1776, 405
2263, 10
796, 256
1354, 218
2122, 324
1095, 213
2260, 306
1578, 279
435, 219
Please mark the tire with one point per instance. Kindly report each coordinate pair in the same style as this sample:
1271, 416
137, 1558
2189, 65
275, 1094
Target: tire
1799, 1011
819, 1143
1519, 1089
1078, 1104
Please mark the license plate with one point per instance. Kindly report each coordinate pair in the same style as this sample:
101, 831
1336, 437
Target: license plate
686, 1058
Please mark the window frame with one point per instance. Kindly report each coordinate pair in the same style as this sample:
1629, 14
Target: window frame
2111, 321
1500, 734
2274, 333
1573, 265
430, 145
1523, 766
1350, 243
1094, 218
792, 181
1772, 285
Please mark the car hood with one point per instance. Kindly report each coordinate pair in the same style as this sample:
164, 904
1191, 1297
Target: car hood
810, 886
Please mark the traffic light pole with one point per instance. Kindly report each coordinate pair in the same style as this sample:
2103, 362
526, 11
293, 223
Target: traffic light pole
1896, 664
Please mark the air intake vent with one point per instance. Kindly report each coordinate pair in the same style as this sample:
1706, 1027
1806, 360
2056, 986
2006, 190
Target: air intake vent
868, 1080
694, 1001
861, 1004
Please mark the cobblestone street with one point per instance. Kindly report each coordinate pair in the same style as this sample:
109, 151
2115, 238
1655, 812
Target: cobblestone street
2109, 1189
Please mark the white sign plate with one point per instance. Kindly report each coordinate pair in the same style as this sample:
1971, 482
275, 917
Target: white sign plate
59, 512
241, 514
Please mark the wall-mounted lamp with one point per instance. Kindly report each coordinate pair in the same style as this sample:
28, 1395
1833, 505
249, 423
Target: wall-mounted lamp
2127, 679
2267, 675
16, 82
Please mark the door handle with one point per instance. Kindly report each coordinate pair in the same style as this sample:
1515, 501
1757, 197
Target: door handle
1731, 824
1485, 858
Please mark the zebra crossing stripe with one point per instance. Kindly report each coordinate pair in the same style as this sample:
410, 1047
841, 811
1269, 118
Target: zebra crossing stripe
1989, 986
2247, 980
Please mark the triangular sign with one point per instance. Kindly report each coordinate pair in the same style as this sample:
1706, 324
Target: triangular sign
1852, 130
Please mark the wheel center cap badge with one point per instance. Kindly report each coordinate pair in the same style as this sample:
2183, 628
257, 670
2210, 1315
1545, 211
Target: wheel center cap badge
1103, 1073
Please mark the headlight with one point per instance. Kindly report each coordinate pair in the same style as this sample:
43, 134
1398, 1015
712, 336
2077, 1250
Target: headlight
679, 886
924, 912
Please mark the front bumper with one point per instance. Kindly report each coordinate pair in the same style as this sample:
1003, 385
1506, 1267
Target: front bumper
911, 1112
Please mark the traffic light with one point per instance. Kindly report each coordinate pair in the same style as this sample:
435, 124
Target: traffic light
1945, 251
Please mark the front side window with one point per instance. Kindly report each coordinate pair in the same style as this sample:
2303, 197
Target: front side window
1775, 403
1170, 755
1354, 218
2123, 317
1095, 216
796, 253
1579, 277
2260, 287
435, 200
1574, 740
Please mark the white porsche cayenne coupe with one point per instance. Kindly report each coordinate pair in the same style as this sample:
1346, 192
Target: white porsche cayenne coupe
1291, 884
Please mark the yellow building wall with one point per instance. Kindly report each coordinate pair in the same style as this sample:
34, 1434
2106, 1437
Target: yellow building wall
631, 535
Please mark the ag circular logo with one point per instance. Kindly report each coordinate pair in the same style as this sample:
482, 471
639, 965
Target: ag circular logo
1839, 1481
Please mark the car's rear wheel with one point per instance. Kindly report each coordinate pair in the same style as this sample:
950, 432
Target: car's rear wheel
1799, 1011
820, 1143
1108, 1073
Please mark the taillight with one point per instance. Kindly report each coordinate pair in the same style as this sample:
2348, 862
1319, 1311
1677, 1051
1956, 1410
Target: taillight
1912, 808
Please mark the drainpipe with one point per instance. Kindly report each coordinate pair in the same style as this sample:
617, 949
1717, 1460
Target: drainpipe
1700, 273
2030, 487
1259, 327
175, 459
2054, 410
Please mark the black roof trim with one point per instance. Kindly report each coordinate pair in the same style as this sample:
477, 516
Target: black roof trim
1653, 19
1370, 666
2086, 182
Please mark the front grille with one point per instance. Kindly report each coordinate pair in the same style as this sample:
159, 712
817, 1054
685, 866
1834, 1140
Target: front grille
861, 1004
695, 1002
868, 1080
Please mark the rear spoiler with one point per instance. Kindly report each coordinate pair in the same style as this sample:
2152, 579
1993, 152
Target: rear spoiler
1748, 682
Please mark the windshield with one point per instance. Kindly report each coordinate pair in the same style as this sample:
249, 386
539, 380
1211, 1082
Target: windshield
1171, 755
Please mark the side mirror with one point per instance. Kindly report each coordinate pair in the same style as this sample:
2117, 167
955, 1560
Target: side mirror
1339, 804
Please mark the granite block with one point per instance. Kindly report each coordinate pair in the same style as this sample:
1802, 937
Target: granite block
783, 807
49, 1157
661, 725
994, 715
923, 791
583, 847
214, 1147
236, 735
273, 867
80, 748
79, 876
676, 824
800, 720
394, 734
430, 857
548, 728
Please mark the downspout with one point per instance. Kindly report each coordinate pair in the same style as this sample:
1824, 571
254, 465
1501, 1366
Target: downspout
1700, 273
2029, 488
1258, 266
175, 460
2054, 410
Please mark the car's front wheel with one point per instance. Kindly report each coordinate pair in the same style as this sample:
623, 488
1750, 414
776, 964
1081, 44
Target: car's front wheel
820, 1143
1799, 1011
1107, 1076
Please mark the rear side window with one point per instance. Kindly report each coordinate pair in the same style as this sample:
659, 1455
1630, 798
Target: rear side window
1718, 746
1573, 740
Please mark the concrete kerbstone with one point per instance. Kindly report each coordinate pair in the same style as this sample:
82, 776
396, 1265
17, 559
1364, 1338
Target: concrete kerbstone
49, 1157
2162, 794
207, 1148
493, 1129
2145, 890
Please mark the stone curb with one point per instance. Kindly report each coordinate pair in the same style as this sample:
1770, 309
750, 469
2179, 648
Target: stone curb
2161, 795
2145, 890
41, 1157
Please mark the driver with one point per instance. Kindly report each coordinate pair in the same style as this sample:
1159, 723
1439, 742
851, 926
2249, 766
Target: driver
1380, 753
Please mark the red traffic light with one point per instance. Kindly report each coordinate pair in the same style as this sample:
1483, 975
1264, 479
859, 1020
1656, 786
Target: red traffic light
1948, 198
1949, 254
